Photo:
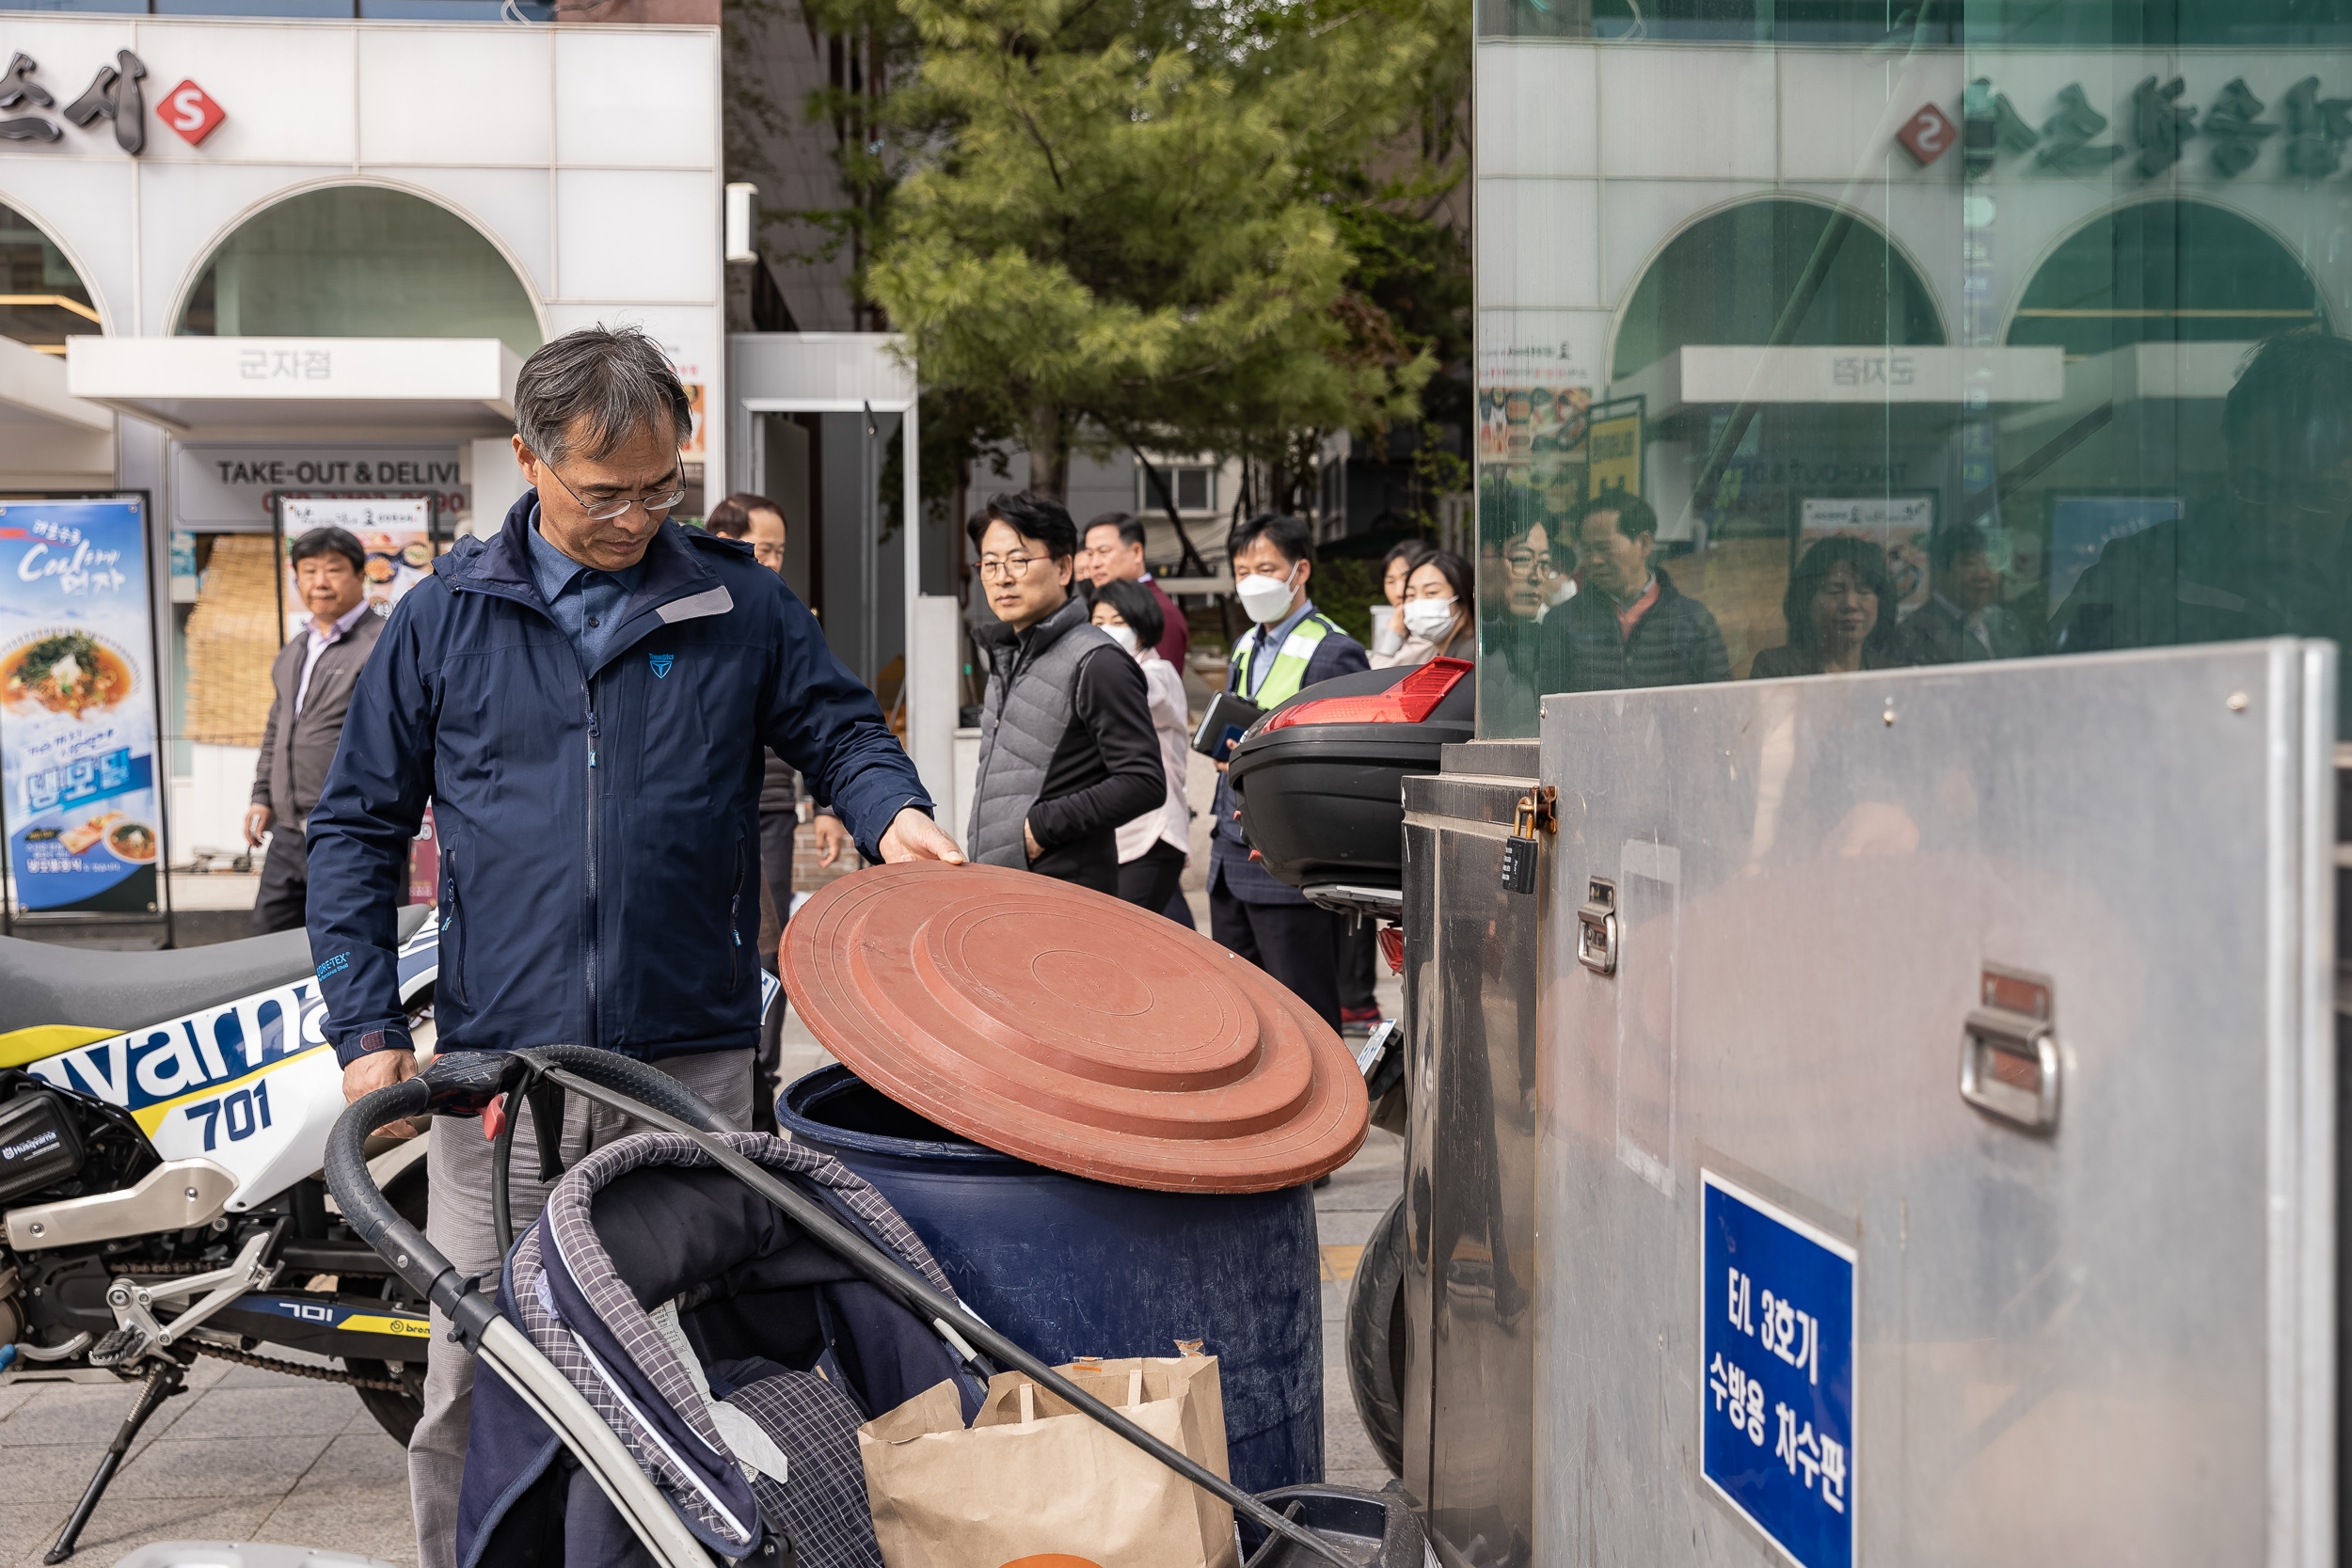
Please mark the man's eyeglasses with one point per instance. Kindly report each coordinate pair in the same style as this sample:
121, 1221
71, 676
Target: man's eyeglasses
1010, 567
598, 511
769, 556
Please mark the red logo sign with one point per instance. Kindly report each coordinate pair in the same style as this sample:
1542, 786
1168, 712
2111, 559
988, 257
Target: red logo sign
190, 111
1927, 134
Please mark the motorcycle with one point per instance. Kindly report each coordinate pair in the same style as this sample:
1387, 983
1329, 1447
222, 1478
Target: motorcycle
160, 1187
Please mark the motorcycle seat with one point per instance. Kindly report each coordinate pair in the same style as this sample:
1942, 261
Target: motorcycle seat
94, 988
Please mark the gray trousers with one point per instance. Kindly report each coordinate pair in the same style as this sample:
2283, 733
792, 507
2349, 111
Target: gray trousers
459, 1225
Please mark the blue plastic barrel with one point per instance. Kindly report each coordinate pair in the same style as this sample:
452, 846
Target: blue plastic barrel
1065, 1267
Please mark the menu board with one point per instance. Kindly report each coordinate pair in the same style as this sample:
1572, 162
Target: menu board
1900, 525
78, 793
396, 533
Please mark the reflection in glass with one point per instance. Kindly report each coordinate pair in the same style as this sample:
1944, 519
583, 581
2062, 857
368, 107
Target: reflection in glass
1839, 612
2027, 347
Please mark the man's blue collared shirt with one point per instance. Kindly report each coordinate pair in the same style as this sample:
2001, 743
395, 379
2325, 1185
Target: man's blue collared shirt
585, 601
1269, 643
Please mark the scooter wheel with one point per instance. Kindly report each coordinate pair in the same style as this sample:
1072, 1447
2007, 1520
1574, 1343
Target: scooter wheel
1376, 1336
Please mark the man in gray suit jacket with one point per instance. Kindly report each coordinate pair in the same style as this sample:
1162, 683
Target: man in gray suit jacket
1964, 620
311, 682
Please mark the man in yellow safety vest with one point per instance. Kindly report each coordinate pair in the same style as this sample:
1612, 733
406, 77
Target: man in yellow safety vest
1293, 645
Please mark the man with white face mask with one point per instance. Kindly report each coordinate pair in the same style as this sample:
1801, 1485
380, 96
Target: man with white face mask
1292, 647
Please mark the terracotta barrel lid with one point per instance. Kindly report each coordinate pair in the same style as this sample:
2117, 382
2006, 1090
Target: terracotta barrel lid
1068, 1028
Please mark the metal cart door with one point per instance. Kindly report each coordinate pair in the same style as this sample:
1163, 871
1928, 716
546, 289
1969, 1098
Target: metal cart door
1938, 1146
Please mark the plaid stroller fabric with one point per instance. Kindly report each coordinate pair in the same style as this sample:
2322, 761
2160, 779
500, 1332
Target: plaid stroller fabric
683, 1307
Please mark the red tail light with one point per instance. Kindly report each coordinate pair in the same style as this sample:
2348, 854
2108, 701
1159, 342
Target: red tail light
1393, 948
1409, 702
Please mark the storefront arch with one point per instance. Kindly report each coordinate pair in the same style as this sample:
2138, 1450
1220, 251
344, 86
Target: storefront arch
359, 260
2168, 270
43, 298
1724, 278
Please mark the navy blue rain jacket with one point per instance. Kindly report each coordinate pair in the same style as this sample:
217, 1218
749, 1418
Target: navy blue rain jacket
599, 829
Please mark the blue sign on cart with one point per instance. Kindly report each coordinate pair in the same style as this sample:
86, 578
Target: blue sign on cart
1776, 1372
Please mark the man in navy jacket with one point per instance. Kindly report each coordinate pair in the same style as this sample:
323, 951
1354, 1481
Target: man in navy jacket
585, 699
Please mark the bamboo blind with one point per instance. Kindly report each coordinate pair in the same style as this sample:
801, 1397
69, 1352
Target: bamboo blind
234, 635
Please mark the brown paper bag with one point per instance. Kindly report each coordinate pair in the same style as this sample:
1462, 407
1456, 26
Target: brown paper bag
1031, 1477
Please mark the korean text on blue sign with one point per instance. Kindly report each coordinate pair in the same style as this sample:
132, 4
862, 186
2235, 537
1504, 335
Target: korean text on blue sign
1776, 1353
79, 795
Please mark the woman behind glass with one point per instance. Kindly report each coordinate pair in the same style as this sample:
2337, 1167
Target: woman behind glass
1439, 613
1840, 611
1387, 631
1152, 848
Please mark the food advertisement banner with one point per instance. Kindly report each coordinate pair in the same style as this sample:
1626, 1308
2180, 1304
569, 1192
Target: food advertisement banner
78, 786
396, 533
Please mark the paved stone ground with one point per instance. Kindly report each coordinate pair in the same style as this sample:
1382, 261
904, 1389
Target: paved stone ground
244, 1454
254, 1455
1345, 1212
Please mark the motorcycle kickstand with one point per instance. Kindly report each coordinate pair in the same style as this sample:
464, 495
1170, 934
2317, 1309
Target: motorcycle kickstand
162, 1382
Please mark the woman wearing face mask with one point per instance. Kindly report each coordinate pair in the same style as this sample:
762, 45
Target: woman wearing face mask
1439, 623
1153, 848
1387, 631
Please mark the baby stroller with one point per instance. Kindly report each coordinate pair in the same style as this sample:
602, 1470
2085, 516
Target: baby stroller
683, 1345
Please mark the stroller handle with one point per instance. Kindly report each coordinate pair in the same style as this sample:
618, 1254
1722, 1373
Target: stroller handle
418, 1262
461, 1083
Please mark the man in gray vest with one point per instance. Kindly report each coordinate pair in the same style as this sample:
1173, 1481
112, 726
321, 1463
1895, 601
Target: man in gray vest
1067, 751
311, 684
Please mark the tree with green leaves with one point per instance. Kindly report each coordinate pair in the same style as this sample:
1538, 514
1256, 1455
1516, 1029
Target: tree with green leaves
1126, 223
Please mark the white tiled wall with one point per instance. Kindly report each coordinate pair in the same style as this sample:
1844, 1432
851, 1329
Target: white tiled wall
306, 117
1537, 241
614, 229
588, 155
604, 112
1537, 113
1689, 114
488, 102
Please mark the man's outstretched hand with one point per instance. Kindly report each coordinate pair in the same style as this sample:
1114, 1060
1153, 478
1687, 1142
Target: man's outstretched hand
833, 839
914, 837
381, 1069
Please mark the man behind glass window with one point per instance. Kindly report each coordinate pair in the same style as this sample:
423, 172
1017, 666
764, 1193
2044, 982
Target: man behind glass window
1963, 619
1630, 626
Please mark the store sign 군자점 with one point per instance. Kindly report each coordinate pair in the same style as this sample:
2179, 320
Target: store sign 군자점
77, 707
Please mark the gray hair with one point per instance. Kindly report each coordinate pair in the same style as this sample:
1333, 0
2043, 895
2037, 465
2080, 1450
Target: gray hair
590, 391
